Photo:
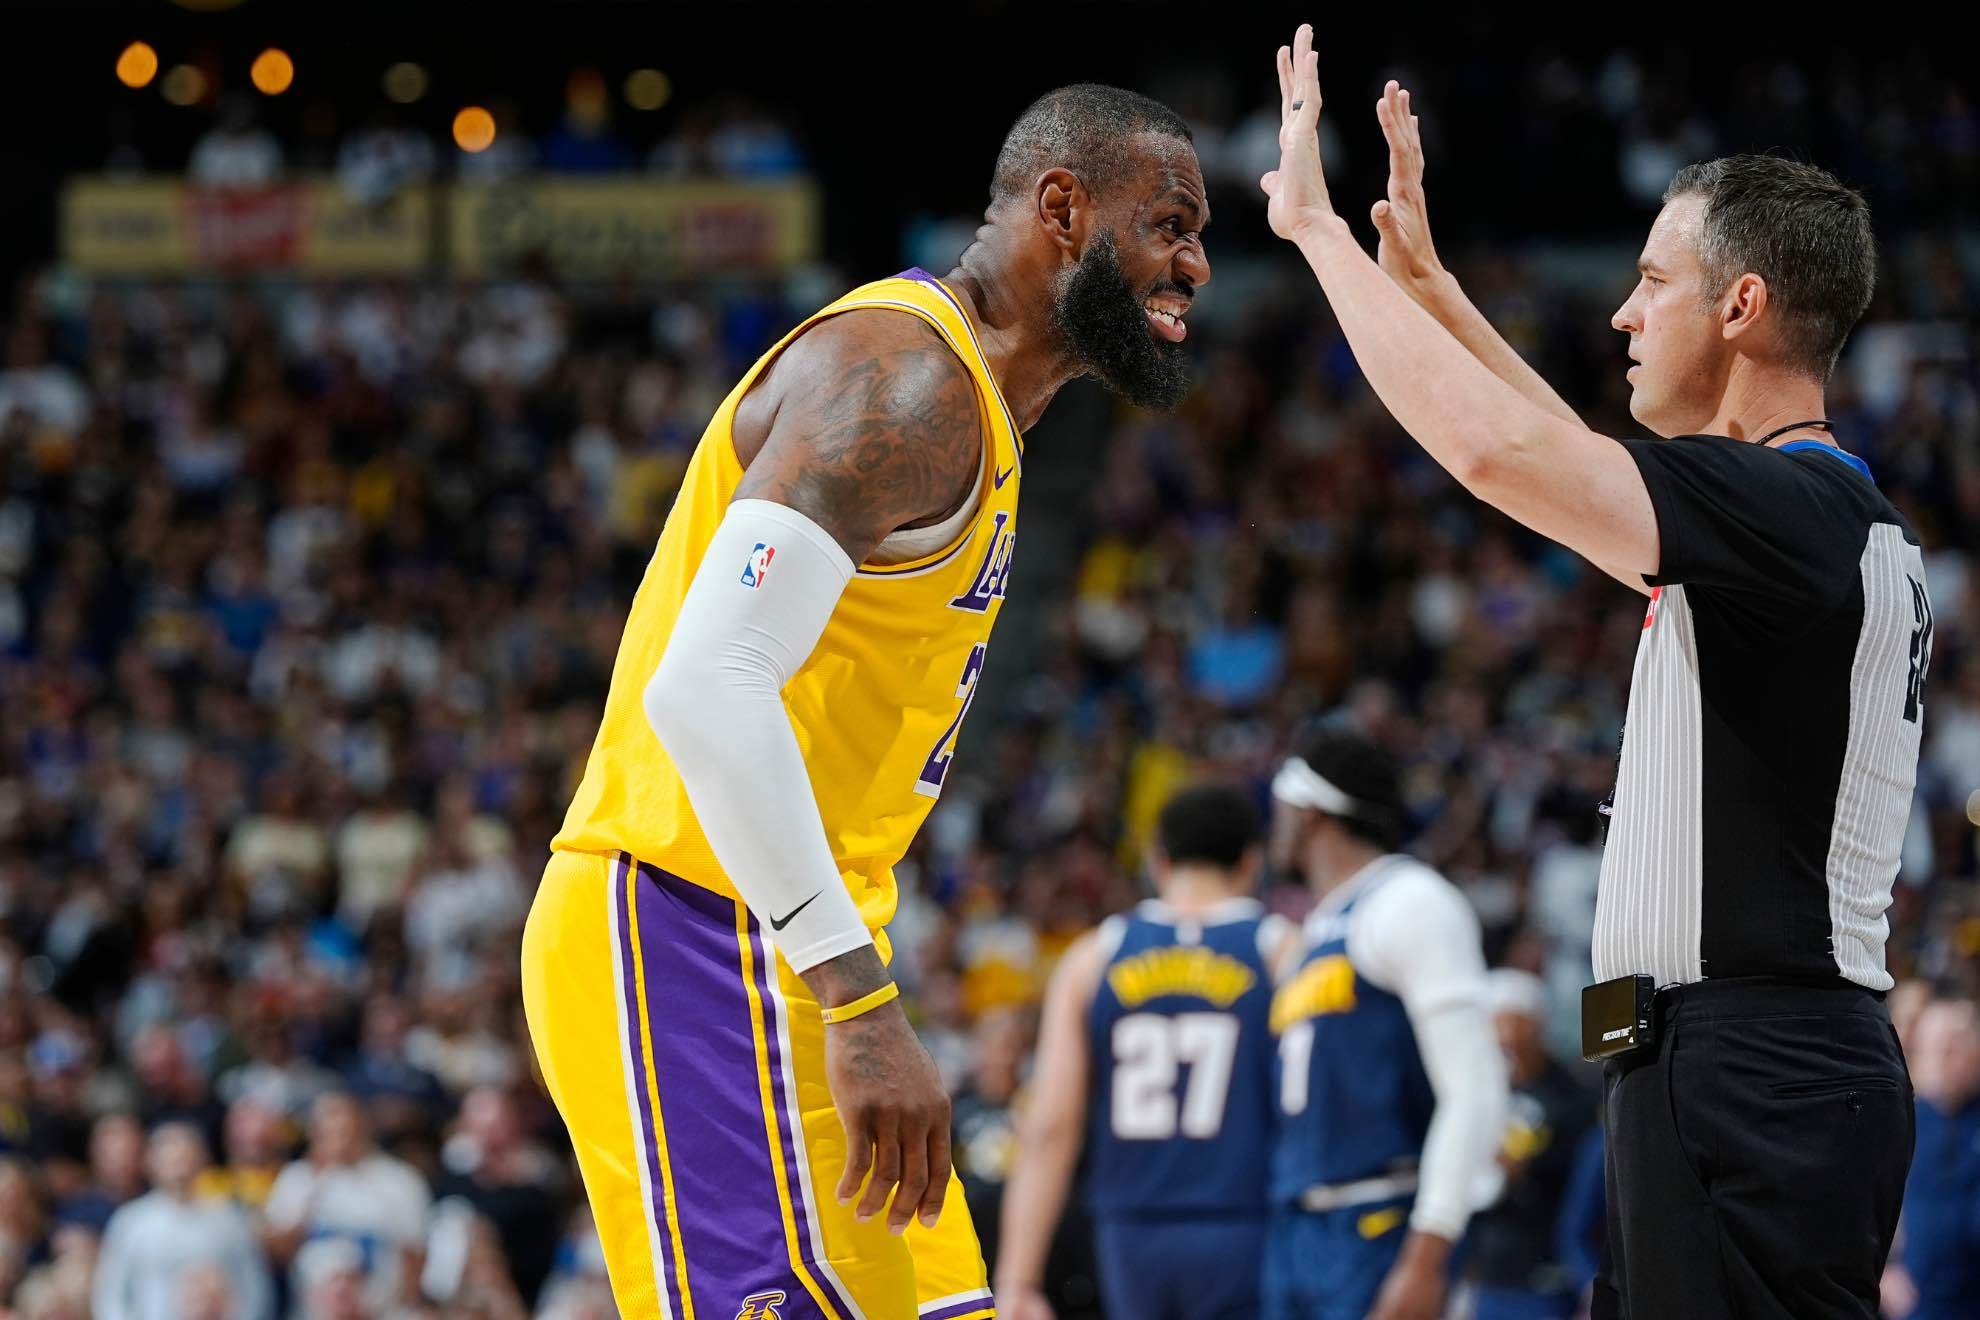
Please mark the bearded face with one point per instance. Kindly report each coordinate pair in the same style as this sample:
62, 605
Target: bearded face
1128, 338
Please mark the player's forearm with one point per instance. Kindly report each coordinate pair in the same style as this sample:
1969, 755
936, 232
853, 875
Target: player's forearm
1431, 1251
847, 977
1051, 1127
749, 620
1467, 1073
1445, 299
1480, 429
731, 755
1034, 1199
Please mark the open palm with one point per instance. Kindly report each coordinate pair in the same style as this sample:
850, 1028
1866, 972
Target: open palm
1296, 192
1403, 217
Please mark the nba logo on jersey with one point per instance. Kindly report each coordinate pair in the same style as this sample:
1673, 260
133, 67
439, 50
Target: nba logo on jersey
757, 564
761, 1306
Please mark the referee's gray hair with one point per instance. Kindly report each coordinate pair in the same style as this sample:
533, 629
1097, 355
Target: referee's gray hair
1799, 228
1084, 128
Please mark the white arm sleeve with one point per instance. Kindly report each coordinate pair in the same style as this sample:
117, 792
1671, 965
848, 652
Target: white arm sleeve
1418, 938
760, 601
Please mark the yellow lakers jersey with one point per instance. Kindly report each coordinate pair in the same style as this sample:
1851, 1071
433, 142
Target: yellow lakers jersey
878, 706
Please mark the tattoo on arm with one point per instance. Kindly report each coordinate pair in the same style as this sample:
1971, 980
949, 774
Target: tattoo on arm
845, 978
868, 1041
877, 428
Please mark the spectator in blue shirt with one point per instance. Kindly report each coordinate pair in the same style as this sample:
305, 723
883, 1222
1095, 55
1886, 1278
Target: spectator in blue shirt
1941, 1227
1578, 1236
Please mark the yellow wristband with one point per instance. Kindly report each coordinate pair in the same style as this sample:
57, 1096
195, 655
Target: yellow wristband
863, 1004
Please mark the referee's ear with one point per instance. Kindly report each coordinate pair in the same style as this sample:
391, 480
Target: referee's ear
1742, 306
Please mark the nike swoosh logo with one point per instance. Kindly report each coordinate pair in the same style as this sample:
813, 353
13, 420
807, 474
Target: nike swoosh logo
777, 923
1005, 475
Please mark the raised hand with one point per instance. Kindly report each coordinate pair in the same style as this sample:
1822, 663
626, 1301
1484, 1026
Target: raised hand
1403, 218
1297, 190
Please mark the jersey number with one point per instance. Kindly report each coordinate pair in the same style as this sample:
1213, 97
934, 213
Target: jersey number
1149, 1051
937, 767
1295, 1066
1921, 649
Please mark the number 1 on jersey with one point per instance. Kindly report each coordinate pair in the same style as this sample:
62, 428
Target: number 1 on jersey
1295, 1070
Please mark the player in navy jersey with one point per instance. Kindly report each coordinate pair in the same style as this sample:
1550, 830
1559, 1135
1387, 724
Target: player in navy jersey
1155, 1056
1392, 1091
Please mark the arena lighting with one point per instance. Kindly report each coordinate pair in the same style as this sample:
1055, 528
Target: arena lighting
273, 71
474, 129
405, 82
648, 89
137, 65
585, 90
183, 85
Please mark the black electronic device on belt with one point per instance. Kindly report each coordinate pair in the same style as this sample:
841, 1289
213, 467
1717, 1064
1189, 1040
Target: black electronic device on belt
1616, 1017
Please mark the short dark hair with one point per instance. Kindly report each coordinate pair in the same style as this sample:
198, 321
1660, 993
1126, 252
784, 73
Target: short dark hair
1367, 773
1800, 229
1084, 128
1213, 823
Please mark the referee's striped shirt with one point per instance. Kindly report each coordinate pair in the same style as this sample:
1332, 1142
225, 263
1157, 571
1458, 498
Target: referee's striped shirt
1774, 716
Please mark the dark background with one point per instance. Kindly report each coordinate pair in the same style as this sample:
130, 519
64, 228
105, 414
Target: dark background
900, 107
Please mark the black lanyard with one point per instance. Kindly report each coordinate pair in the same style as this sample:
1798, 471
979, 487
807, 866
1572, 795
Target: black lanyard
1832, 450
1818, 424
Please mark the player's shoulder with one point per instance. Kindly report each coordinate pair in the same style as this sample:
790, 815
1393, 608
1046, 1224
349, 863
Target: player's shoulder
875, 379
1416, 931
1277, 934
1149, 921
1077, 974
1418, 879
1105, 939
870, 423
1413, 896
885, 345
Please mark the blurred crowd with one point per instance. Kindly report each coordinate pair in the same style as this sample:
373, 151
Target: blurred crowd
390, 147
308, 601
1585, 139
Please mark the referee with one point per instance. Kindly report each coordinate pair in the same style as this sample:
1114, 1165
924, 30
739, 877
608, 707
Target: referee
1760, 1122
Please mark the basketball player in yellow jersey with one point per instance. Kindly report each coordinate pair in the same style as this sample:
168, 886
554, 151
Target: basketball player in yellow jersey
761, 1133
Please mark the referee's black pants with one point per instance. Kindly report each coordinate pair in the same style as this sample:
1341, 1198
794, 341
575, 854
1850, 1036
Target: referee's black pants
1756, 1157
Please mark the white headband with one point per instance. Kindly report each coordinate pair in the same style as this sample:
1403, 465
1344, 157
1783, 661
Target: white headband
1299, 785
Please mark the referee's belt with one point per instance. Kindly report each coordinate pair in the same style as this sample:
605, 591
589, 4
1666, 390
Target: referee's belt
1322, 1197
